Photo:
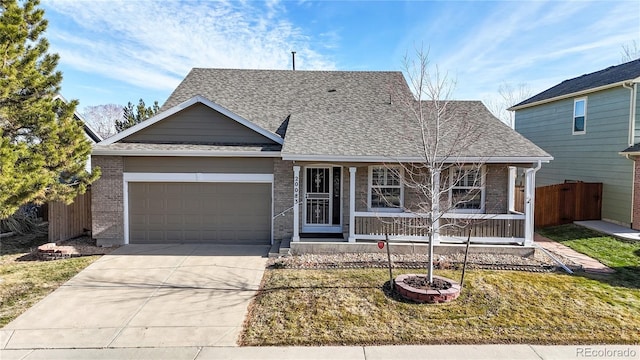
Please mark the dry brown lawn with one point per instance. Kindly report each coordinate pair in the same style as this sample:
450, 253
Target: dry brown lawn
349, 307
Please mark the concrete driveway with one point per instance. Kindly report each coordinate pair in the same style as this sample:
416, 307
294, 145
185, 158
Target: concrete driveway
147, 296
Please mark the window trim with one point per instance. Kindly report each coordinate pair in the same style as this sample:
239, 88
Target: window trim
482, 187
370, 189
573, 123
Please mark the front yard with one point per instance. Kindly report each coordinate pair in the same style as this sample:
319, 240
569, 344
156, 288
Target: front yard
25, 281
348, 307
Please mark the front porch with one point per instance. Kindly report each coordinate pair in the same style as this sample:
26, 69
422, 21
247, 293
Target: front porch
335, 209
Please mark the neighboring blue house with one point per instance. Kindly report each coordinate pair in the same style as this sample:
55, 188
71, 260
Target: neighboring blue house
587, 123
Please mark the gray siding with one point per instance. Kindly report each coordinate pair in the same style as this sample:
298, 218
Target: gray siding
199, 165
198, 124
592, 157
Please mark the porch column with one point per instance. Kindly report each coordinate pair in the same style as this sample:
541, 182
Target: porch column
352, 204
512, 188
296, 204
435, 209
529, 205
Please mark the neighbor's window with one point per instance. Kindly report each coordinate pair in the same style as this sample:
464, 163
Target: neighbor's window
579, 116
467, 189
385, 188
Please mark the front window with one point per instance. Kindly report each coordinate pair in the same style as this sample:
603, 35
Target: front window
579, 116
466, 193
385, 188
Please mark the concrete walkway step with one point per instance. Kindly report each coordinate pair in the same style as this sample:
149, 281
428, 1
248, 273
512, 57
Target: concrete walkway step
280, 248
275, 249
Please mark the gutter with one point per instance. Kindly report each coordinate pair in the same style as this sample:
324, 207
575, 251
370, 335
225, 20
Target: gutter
417, 159
201, 153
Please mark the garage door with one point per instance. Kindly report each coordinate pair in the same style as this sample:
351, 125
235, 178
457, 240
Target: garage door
218, 213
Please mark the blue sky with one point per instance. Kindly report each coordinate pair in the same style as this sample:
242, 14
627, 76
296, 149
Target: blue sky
119, 51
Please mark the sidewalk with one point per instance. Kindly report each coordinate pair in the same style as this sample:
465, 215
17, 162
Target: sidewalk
608, 228
441, 352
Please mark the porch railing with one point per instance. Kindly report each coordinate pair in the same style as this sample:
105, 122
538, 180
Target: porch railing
454, 227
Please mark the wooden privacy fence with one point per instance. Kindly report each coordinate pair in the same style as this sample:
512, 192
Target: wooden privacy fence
565, 203
69, 221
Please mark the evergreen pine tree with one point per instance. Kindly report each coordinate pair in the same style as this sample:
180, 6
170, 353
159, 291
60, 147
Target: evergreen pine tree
43, 150
132, 116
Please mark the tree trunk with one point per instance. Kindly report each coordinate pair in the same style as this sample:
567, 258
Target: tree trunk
430, 270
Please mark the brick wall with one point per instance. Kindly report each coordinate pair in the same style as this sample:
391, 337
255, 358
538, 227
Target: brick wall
636, 195
107, 201
496, 190
497, 178
362, 183
283, 198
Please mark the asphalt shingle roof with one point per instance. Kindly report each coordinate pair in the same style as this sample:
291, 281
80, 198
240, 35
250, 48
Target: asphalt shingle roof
632, 149
346, 113
610, 75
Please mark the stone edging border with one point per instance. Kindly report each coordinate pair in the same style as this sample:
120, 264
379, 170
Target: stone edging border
430, 296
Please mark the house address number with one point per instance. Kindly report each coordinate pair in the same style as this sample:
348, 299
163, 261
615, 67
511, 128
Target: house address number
296, 190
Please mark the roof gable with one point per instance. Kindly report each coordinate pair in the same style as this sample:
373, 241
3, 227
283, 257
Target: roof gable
196, 121
609, 77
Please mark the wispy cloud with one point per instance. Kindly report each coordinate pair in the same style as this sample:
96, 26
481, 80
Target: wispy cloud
153, 44
539, 43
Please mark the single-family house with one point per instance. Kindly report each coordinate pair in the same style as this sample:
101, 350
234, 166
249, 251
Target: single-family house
590, 125
253, 156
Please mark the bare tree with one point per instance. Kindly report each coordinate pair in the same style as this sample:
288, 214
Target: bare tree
630, 51
509, 95
446, 176
103, 118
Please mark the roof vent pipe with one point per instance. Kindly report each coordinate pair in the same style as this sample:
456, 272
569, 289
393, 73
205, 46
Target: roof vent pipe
293, 60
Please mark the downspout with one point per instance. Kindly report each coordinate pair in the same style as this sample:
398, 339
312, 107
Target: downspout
562, 265
632, 111
529, 203
632, 130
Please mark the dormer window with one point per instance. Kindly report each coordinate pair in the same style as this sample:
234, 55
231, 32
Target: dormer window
579, 116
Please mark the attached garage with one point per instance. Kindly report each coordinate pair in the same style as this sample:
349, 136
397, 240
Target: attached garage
195, 173
208, 210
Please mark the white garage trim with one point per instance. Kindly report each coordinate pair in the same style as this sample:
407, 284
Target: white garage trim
189, 177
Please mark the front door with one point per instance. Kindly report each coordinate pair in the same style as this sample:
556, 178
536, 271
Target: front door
323, 200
